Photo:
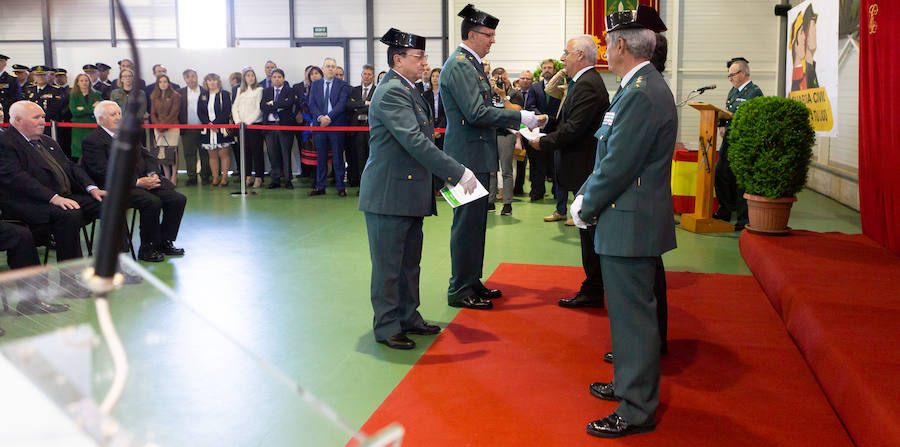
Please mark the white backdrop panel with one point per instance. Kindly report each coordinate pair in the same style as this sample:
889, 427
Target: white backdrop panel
220, 61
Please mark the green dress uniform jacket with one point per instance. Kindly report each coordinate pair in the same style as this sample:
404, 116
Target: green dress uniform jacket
737, 97
472, 121
629, 197
396, 193
471, 139
629, 193
397, 177
82, 109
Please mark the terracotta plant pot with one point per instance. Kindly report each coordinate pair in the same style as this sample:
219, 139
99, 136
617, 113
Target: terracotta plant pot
769, 216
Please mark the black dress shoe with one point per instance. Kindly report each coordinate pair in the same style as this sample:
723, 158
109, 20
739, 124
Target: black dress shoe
739, 226
424, 329
473, 302
398, 341
605, 391
148, 253
615, 426
342, 193
491, 208
608, 357
36, 306
581, 300
288, 185
169, 249
191, 182
273, 185
488, 294
722, 215
507, 210
317, 192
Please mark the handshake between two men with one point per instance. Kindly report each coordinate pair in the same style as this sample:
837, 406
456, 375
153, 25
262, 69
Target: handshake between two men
529, 119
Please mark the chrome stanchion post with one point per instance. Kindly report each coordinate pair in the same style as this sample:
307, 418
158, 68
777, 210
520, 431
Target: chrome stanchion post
243, 160
53, 130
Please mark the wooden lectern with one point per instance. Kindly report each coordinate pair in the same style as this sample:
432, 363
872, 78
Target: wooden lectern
701, 220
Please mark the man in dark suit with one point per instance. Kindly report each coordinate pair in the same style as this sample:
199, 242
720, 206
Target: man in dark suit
471, 139
358, 115
328, 107
40, 186
267, 82
573, 137
190, 138
629, 198
402, 148
279, 107
151, 192
9, 88
539, 101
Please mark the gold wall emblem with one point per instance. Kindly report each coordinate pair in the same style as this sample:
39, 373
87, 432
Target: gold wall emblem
873, 11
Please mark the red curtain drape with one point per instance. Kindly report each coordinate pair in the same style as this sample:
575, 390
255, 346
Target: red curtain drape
879, 121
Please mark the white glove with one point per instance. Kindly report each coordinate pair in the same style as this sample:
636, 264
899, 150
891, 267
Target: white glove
469, 181
529, 119
574, 211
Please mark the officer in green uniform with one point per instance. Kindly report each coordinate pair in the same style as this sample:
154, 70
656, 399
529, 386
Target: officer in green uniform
22, 75
628, 196
48, 96
9, 88
471, 139
396, 190
730, 197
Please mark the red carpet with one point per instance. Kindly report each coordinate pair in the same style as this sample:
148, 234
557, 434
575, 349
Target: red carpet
839, 297
518, 375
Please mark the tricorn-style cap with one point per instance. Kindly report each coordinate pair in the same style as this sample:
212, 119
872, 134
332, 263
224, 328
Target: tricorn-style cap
18, 68
642, 17
733, 60
472, 15
101, 66
396, 38
39, 69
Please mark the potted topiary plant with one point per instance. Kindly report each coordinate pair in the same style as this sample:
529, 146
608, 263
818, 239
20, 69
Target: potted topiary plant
770, 148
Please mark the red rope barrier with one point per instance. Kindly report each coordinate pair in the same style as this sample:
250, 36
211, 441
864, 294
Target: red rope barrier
232, 126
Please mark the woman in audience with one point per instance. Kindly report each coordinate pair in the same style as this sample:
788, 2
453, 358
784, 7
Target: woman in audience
380, 75
215, 108
246, 110
126, 90
165, 103
308, 148
82, 100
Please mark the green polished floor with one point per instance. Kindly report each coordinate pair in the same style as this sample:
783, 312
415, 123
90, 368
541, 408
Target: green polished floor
287, 275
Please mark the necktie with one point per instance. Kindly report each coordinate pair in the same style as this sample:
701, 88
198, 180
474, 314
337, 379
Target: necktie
328, 95
365, 93
62, 180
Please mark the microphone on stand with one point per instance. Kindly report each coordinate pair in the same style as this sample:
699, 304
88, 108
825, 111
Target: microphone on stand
705, 88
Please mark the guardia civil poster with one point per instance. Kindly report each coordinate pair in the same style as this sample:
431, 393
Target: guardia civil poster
812, 61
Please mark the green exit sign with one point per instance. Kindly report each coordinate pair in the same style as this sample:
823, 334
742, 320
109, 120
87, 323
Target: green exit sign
320, 31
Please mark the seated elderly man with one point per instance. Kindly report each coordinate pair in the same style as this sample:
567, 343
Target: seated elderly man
151, 192
40, 186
